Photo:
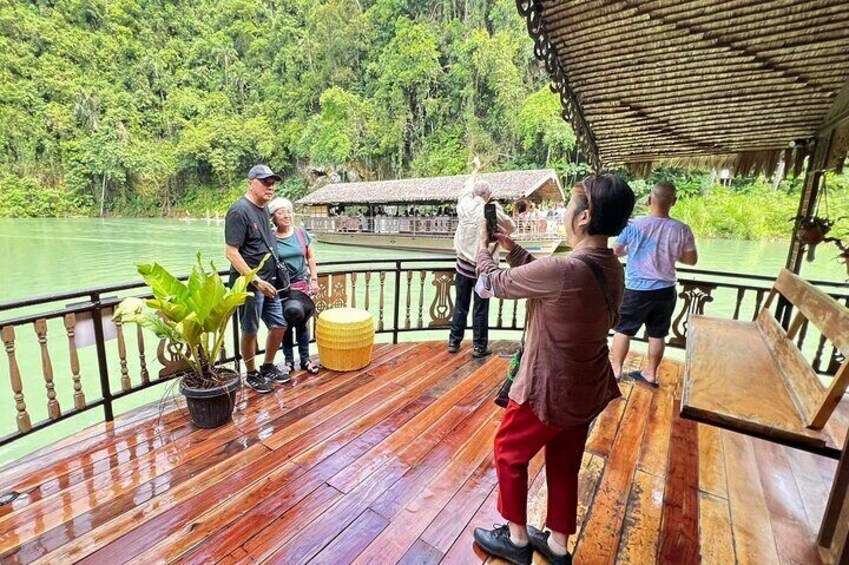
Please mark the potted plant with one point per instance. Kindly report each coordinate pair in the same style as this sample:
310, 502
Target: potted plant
193, 317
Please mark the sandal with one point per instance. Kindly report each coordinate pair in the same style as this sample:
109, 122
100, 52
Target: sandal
637, 376
310, 367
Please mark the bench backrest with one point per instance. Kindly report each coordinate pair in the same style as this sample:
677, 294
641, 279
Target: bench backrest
814, 402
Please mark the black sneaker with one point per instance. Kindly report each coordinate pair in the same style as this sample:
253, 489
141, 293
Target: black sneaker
273, 373
481, 352
453, 347
539, 541
497, 542
258, 382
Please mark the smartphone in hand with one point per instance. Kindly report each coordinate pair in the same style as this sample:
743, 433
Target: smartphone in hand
490, 214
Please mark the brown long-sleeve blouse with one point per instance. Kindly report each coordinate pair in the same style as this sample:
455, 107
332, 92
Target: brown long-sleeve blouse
565, 374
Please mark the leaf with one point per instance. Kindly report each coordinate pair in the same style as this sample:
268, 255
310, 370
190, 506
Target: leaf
164, 284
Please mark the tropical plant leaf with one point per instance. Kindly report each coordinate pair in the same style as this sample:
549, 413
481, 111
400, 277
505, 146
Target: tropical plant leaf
164, 284
172, 311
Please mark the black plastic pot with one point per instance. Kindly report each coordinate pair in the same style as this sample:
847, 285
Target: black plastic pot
212, 407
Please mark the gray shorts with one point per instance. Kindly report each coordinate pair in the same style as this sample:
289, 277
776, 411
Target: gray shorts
260, 306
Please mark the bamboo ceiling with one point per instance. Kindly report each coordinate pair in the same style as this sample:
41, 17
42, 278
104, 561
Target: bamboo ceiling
728, 82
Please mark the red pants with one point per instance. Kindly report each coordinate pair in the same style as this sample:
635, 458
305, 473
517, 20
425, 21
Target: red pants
519, 438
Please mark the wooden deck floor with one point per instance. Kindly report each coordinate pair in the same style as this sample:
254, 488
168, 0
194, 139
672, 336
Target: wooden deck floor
394, 464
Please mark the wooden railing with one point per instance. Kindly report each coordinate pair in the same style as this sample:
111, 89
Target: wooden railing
85, 361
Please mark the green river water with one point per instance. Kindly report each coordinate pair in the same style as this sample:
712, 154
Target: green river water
44, 256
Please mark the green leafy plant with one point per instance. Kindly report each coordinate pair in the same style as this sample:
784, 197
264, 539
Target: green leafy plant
192, 315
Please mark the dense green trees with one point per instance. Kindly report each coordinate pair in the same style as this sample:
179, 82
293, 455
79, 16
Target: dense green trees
149, 106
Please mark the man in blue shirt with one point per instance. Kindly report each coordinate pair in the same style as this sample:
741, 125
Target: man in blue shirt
653, 244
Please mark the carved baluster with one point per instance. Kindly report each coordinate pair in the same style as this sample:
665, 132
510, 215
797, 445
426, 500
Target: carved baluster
353, 290
145, 375
380, 305
24, 424
695, 295
422, 277
741, 292
759, 299
368, 291
47, 368
79, 397
122, 355
442, 307
515, 314
500, 311
409, 299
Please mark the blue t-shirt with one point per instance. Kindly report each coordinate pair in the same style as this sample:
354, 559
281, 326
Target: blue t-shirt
290, 250
653, 246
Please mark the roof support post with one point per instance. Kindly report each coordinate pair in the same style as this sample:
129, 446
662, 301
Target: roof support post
817, 163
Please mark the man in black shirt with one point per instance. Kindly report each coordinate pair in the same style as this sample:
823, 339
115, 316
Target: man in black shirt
247, 232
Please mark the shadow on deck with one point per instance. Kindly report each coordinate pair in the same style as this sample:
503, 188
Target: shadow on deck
394, 464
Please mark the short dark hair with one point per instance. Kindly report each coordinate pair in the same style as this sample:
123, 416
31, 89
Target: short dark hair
612, 204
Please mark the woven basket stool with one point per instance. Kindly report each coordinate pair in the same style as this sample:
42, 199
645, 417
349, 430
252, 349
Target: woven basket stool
345, 338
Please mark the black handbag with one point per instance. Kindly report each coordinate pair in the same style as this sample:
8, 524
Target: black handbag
503, 397
282, 281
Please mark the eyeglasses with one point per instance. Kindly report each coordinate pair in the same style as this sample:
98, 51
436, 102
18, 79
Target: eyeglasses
585, 186
267, 182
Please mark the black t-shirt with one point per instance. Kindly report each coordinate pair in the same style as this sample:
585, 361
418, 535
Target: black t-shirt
248, 227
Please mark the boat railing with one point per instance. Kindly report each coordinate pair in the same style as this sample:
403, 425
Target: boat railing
422, 226
77, 360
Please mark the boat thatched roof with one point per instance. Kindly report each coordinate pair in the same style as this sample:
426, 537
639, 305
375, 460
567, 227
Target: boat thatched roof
510, 185
727, 82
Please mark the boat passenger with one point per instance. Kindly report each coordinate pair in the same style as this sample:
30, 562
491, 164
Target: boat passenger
564, 378
247, 233
295, 249
470, 207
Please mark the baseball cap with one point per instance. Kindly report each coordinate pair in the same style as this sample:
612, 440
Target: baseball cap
262, 172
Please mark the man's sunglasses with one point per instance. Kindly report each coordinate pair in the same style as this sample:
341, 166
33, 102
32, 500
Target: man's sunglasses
267, 182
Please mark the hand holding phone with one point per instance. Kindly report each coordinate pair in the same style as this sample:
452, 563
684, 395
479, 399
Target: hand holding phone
489, 212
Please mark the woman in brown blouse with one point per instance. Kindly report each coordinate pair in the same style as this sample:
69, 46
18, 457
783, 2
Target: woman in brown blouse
565, 378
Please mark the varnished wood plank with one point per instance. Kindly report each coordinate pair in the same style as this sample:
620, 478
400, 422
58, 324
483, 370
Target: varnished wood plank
654, 452
641, 532
412, 520
421, 553
716, 542
464, 550
603, 432
813, 488
753, 539
54, 538
795, 538
266, 514
418, 397
413, 447
602, 531
711, 462
353, 540
416, 478
592, 469
679, 535
356, 472
82, 546
452, 519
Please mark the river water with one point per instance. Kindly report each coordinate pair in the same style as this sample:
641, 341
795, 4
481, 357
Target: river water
44, 256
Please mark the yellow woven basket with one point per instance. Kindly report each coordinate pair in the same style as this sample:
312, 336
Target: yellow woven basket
345, 338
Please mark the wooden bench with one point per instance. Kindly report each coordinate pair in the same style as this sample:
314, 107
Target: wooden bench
750, 377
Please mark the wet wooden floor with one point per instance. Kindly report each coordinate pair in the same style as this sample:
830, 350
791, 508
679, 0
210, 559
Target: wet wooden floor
394, 464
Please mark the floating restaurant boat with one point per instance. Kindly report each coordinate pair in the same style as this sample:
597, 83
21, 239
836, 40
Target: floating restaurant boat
405, 213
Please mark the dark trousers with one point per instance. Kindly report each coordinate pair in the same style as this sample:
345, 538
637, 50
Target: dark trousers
301, 333
519, 438
480, 317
